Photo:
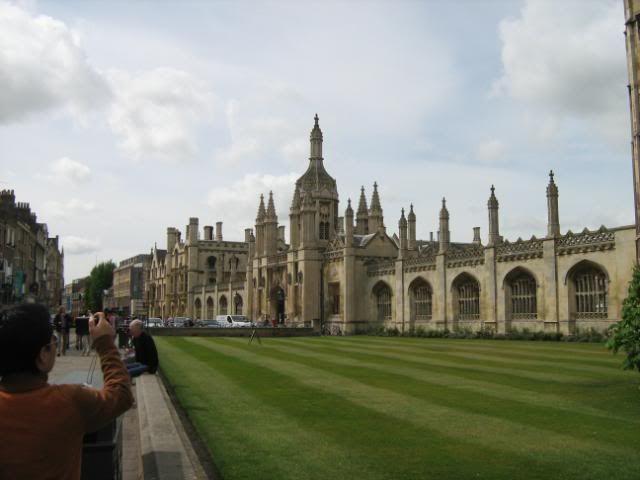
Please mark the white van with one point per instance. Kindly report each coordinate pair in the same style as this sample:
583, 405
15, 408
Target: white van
233, 321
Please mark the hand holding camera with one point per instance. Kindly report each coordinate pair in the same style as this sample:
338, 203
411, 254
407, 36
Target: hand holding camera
99, 326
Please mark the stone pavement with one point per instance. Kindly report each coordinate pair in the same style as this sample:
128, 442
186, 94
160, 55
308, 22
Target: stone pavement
155, 445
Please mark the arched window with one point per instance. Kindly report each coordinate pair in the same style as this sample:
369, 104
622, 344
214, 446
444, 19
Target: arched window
590, 293
467, 297
521, 295
421, 297
383, 301
222, 305
210, 308
237, 304
197, 309
211, 262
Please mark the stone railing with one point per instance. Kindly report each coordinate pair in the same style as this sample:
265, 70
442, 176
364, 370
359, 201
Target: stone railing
519, 250
466, 257
420, 263
586, 241
379, 269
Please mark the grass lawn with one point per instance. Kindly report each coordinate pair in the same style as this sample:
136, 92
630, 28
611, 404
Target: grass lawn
400, 408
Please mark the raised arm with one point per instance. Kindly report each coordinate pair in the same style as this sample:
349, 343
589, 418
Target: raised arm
99, 407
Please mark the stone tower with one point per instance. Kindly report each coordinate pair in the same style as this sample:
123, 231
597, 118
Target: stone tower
632, 36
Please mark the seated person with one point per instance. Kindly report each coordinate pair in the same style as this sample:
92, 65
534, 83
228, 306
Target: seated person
146, 359
43, 425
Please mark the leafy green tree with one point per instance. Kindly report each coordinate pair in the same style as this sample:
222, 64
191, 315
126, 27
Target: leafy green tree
100, 279
625, 335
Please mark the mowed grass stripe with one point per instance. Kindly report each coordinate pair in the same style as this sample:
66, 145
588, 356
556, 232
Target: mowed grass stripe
595, 353
435, 360
506, 359
606, 364
240, 428
615, 395
456, 383
377, 445
452, 422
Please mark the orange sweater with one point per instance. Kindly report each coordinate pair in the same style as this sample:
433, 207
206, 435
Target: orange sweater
41, 430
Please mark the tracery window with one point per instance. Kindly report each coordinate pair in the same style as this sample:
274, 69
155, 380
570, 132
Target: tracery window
469, 300
421, 299
523, 298
591, 294
209, 308
383, 300
198, 309
237, 303
222, 304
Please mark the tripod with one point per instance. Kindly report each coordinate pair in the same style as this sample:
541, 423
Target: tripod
255, 334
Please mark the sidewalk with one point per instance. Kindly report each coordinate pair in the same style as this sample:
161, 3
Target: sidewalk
155, 444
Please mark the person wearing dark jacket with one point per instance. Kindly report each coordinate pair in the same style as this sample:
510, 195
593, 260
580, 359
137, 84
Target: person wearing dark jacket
146, 353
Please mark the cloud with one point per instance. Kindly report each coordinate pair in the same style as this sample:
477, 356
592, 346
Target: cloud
262, 127
491, 151
239, 201
71, 209
157, 113
43, 67
78, 245
560, 58
66, 170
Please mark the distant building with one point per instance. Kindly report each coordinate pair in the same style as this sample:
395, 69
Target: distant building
78, 292
55, 273
129, 284
199, 277
350, 273
25, 249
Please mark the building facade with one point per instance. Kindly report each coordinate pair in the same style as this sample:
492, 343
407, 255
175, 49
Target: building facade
25, 251
198, 277
129, 285
632, 39
348, 271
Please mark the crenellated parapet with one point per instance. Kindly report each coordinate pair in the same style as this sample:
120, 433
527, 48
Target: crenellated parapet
587, 241
519, 250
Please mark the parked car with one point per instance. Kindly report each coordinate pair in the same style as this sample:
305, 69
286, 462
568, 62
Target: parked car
182, 322
210, 324
234, 321
154, 322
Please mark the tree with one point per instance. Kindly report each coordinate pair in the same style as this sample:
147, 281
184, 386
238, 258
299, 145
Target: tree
625, 335
100, 279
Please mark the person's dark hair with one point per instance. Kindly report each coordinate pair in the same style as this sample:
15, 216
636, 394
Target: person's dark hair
24, 330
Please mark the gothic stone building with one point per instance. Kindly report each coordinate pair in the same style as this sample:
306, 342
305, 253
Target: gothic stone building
197, 277
348, 271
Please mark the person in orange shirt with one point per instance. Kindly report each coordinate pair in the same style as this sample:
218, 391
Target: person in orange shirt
42, 425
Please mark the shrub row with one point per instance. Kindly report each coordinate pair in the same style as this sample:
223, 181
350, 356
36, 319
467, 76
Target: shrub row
584, 336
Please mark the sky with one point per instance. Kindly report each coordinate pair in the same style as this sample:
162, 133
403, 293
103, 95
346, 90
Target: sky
120, 119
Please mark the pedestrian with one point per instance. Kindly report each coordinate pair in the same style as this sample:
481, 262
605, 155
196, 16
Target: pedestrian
146, 359
82, 335
62, 322
43, 425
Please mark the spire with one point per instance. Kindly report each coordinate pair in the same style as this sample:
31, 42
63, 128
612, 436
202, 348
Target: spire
444, 213
493, 201
362, 204
494, 228
552, 188
553, 215
443, 234
271, 208
261, 212
403, 220
316, 140
349, 211
412, 216
375, 199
